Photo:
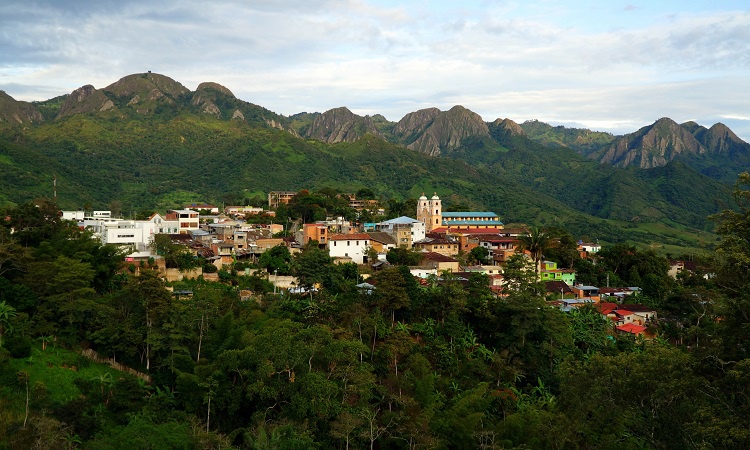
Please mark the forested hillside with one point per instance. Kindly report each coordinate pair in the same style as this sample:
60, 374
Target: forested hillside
444, 365
146, 142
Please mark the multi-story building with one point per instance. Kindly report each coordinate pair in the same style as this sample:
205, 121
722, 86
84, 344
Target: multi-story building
404, 230
430, 212
186, 218
352, 246
275, 198
550, 272
315, 232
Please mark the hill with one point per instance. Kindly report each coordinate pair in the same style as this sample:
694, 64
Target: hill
148, 142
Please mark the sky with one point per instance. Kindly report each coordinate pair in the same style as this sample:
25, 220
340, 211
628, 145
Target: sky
606, 65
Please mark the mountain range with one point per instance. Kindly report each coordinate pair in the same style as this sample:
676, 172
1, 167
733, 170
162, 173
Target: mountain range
148, 141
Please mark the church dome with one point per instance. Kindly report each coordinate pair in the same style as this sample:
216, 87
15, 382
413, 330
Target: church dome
435, 197
423, 197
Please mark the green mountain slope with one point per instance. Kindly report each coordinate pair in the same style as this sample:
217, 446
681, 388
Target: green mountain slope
148, 142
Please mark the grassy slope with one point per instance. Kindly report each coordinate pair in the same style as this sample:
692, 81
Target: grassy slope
57, 369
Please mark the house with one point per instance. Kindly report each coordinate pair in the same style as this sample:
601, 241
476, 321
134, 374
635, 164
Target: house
500, 247
439, 261
642, 314
550, 272
404, 230
582, 291
212, 209
631, 328
681, 267
352, 246
619, 293
588, 249
439, 244
381, 241
315, 232
186, 218
558, 289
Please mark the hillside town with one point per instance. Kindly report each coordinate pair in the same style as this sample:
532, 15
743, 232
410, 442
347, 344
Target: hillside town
455, 244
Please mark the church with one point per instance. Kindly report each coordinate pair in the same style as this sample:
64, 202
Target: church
430, 212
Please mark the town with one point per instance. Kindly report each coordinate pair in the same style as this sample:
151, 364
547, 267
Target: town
439, 243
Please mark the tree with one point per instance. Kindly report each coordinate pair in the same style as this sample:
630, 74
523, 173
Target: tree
276, 260
390, 295
732, 267
311, 266
403, 256
479, 255
536, 242
7, 313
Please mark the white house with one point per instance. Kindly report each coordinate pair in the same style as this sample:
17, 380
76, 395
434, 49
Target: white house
187, 219
352, 246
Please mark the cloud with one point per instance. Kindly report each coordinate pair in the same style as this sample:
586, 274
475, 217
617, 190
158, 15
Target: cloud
501, 59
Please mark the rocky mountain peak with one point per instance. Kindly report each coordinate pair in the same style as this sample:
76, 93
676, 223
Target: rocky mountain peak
340, 125
210, 85
147, 86
86, 99
509, 126
651, 146
434, 132
14, 111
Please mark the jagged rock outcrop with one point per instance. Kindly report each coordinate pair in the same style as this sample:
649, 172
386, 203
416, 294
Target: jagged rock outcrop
438, 132
206, 105
508, 127
205, 98
340, 125
719, 139
651, 146
14, 111
412, 125
85, 100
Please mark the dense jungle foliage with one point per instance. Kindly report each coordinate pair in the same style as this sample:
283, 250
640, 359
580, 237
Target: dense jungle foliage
446, 365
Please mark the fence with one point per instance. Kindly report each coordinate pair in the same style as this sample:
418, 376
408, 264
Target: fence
94, 356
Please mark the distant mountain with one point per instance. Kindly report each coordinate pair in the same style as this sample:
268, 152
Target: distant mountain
582, 140
147, 141
434, 132
651, 146
16, 112
715, 151
340, 125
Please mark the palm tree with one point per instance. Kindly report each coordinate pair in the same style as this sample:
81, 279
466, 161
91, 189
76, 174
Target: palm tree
536, 241
7, 313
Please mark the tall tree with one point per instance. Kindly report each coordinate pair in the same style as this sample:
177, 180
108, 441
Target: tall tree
536, 241
7, 313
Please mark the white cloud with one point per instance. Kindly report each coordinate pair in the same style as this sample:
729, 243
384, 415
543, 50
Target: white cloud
500, 59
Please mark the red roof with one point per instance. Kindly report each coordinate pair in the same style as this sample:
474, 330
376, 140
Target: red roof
433, 256
349, 237
623, 312
631, 328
